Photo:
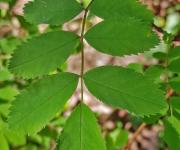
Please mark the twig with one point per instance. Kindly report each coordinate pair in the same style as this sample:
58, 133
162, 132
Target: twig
82, 48
138, 131
82, 52
82, 68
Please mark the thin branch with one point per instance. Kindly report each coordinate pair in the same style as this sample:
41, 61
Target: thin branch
138, 131
82, 52
82, 69
82, 48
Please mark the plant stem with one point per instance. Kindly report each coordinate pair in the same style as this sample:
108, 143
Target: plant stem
138, 131
82, 67
82, 52
82, 70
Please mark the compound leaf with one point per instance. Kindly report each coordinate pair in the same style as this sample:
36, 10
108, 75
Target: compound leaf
81, 131
54, 13
127, 89
45, 53
123, 37
34, 107
118, 9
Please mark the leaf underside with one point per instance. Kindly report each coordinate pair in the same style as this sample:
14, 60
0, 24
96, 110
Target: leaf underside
34, 107
81, 131
127, 89
42, 54
54, 13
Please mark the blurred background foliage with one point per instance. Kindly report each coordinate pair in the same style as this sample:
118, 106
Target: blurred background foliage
117, 125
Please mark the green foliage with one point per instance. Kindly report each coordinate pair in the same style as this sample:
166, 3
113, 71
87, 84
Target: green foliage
81, 131
56, 13
122, 37
34, 107
118, 9
8, 93
175, 52
175, 59
153, 73
125, 88
174, 65
8, 136
123, 31
175, 84
5, 74
3, 143
9, 44
126, 29
175, 107
172, 133
37, 57
117, 139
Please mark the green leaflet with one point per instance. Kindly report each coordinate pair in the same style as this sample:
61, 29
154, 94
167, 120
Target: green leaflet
117, 139
81, 131
175, 106
153, 119
117, 9
153, 73
7, 45
175, 52
127, 89
174, 65
125, 29
172, 133
10, 136
34, 107
175, 102
54, 13
5, 74
45, 53
175, 84
122, 37
3, 143
8, 93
